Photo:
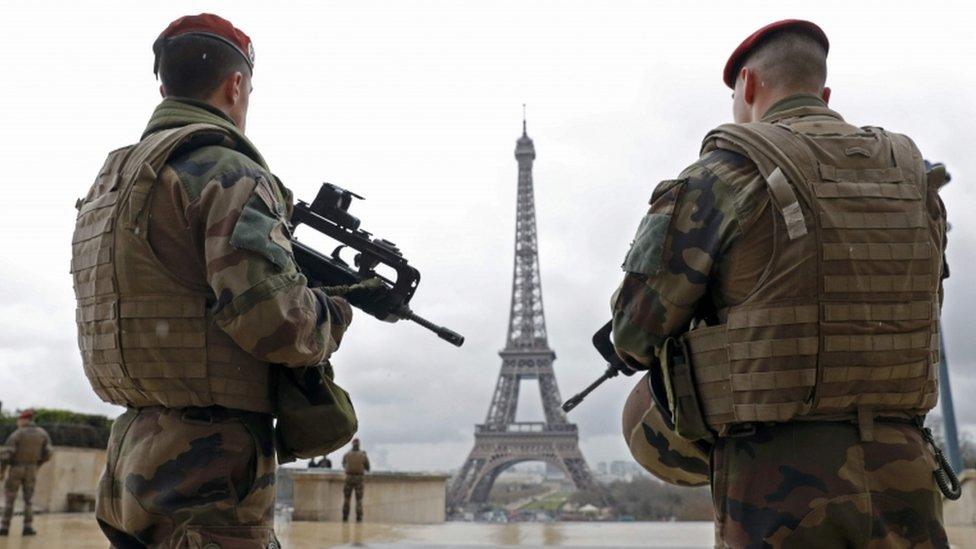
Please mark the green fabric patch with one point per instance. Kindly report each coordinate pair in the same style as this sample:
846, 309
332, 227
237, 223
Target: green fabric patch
253, 232
646, 253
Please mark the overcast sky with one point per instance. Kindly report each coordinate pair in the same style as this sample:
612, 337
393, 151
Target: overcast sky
416, 106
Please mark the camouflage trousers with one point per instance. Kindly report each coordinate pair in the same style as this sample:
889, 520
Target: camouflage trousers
816, 484
354, 483
20, 477
189, 478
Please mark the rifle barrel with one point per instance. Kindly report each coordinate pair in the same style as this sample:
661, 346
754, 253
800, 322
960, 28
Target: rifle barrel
578, 398
446, 334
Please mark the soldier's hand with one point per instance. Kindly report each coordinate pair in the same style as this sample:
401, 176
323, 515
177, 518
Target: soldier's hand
362, 293
340, 316
340, 312
626, 367
336, 311
369, 289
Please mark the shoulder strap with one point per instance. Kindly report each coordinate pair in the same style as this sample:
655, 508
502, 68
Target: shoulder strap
156, 148
153, 151
762, 143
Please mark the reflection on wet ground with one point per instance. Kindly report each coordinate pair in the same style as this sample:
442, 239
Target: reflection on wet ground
80, 530
466, 534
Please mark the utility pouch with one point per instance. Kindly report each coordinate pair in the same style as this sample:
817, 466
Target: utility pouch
315, 415
679, 383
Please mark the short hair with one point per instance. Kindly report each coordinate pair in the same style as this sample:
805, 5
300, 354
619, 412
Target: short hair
194, 65
791, 60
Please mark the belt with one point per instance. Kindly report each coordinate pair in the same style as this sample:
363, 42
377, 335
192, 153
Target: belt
740, 430
207, 414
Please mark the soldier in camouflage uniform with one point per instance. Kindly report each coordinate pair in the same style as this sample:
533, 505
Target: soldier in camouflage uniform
356, 464
722, 236
189, 298
25, 450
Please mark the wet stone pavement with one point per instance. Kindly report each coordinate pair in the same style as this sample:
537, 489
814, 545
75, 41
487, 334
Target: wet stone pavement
80, 531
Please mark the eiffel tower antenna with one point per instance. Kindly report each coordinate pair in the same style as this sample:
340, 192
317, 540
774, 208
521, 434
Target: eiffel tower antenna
501, 441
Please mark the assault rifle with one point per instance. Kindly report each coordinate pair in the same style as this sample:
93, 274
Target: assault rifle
603, 345
389, 298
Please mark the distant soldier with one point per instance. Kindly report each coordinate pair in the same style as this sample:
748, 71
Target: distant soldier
25, 451
784, 293
189, 299
356, 464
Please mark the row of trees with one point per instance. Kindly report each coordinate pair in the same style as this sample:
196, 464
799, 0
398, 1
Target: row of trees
644, 498
66, 428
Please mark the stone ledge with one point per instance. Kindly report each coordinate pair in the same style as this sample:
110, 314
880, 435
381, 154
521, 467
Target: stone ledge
389, 496
382, 476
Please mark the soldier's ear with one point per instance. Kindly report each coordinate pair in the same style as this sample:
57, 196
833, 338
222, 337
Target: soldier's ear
825, 95
239, 84
748, 86
162, 91
229, 92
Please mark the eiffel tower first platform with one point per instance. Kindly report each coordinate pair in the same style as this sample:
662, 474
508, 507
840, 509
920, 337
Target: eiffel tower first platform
501, 441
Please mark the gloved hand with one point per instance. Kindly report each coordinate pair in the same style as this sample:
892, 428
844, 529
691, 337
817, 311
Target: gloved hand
340, 317
367, 291
627, 368
336, 310
603, 343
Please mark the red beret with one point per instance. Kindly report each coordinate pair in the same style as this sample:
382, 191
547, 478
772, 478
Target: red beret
734, 63
207, 24
27, 414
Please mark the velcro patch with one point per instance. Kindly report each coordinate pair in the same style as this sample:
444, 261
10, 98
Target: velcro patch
647, 250
263, 232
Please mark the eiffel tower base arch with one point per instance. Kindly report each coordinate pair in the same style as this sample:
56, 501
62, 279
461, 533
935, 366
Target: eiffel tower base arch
494, 452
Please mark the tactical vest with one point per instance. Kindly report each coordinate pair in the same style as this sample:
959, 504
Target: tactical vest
355, 462
147, 339
30, 446
844, 320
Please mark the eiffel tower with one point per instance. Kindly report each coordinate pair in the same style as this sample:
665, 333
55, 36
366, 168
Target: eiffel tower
501, 441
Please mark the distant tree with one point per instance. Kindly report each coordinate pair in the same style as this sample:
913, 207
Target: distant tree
644, 498
66, 428
967, 444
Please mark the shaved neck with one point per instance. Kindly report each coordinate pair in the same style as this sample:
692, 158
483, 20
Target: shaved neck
759, 95
786, 64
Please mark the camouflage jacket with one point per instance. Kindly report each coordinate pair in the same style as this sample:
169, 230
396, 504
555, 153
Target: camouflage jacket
702, 246
212, 210
29, 444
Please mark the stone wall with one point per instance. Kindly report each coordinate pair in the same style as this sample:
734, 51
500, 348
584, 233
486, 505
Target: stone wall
962, 512
401, 498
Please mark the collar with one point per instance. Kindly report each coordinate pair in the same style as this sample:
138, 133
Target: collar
791, 102
176, 112
799, 106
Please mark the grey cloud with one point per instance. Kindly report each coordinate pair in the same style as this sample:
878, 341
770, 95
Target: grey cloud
618, 100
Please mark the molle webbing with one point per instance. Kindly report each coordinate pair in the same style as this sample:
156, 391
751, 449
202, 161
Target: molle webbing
146, 339
743, 378
776, 167
787, 203
863, 338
